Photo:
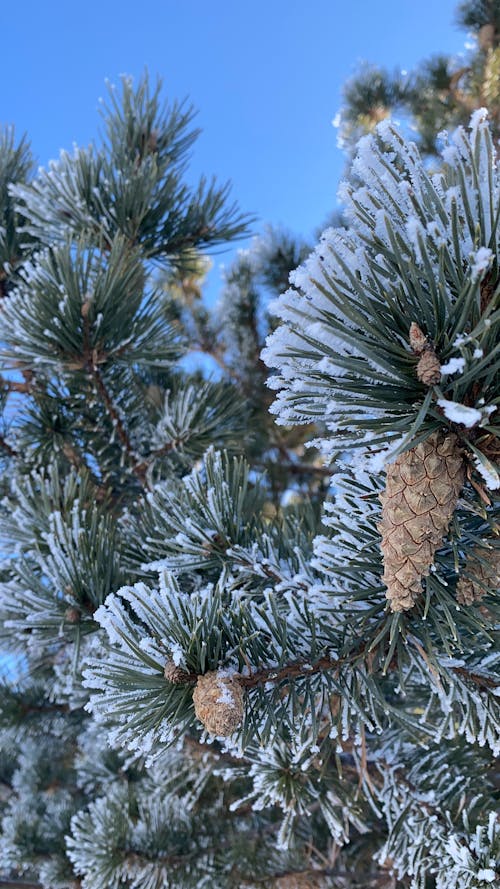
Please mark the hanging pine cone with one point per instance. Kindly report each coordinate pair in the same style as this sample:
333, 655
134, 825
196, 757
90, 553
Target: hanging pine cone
480, 574
421, 494
218, 703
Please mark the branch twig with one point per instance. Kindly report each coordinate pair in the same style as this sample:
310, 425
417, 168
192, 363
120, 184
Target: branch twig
303, 669
7, 447
138, 466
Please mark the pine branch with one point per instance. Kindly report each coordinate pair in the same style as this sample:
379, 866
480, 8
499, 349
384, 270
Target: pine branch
12, 883
304, 669
15, 385
362, 720
476, 678
163, 451
293, 877
138, 466
7, 447
19, 884
271, 674
291, 671
73, 455
28, 709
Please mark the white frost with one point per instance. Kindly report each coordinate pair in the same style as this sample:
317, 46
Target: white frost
477, 117
481, 260
488, 472
177, 654
486, 874
453, 366
460, 413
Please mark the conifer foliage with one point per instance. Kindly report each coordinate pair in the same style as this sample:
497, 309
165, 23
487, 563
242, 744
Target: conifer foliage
440, 93
231, 677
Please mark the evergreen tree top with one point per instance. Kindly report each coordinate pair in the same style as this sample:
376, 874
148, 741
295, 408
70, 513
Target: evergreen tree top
133, 184
413, 276
440, 93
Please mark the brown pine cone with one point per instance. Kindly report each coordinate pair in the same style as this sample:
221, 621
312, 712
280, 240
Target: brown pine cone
429, 368
418, 339
421, 494
481, 573
175, 674
218, 703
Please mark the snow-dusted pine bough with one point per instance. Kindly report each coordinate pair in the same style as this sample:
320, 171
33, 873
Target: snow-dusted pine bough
290, 699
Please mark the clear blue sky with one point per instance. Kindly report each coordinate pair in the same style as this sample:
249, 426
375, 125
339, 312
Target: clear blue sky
265, 75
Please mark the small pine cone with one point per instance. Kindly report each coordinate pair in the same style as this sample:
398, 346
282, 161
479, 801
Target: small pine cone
72, 615
429, 368
481, 573
218, 703
419, 500
418, 339
175, 674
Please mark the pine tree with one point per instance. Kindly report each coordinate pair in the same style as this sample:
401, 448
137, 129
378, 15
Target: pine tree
441, 93
229, 679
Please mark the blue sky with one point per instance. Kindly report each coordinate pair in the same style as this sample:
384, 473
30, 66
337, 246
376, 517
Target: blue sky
266, 77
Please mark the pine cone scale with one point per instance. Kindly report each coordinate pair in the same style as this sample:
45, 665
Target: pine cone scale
413, 472
420, 502
417, 530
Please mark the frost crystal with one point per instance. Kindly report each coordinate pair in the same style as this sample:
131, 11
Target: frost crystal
460, 413
488, 472
453, 366
481, 261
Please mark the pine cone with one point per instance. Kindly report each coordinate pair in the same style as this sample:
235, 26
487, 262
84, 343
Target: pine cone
72, 615
421, 494
481, 573
418, 339
218, 703
175, 674
429, 368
